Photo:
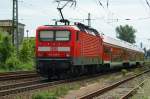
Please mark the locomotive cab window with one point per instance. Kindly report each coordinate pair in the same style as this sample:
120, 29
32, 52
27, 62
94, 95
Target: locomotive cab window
46, 35
54, 35
62, 35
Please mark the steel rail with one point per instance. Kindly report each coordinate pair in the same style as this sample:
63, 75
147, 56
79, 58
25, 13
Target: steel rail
108, 88
20, 75
20, 88
133, 91
9, 86
15, 72
30, 87
15, 90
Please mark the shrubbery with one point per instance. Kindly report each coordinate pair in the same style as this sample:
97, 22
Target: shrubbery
56, 92
12, 63
45, 95
9, 60
26, 52
6, 47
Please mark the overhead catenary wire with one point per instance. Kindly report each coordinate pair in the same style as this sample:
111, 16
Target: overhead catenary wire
28, 4
44, 12
148, 4
98, 17
141, 18
95, 18
144, 5
100, 3
73, 2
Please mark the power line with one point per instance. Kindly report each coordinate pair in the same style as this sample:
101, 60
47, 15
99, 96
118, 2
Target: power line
108, 4
27, 4
100, 3
147, 2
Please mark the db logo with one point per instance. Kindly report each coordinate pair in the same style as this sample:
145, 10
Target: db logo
54, 48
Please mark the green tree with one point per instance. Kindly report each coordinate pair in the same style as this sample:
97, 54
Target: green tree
12, 63
26, 52
6, 47
31, 42
126, 33
8, 57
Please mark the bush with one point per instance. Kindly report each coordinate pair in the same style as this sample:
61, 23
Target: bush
26, 52
56, 92
27, 66
6, 47
8, 58
12, 63
44, 96
124, 72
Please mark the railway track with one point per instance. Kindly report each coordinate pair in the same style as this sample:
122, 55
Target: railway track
133, 91
32, 85
15, 72
37, 84
105, 90
20, 87
17, 75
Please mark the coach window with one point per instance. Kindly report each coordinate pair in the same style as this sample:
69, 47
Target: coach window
107, 50
46, 35
62, 36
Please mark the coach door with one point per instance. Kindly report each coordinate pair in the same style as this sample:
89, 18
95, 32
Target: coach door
107, 54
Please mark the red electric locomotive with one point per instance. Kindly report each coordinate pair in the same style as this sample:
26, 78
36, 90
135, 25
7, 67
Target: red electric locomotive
78, 49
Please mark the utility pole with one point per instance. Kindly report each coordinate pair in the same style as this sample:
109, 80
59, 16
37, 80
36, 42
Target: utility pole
15, 39
27, 34
89, 19
141, 45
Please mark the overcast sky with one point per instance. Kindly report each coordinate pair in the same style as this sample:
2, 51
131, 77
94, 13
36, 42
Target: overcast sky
41, 12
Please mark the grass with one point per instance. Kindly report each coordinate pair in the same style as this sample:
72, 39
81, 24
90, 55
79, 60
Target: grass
124, 72
27, 66
56, 92
21, 66
147, 60
147, 63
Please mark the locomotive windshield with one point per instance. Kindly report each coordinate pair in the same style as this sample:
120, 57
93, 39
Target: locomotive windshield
54, 35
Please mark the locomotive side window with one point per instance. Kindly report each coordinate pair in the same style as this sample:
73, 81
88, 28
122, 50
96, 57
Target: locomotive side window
77, 36
62, 35
46, 35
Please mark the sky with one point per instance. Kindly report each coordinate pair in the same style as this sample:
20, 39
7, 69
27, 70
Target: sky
34, 13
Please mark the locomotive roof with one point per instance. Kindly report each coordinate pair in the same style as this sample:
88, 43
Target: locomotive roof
121, 43
59, 26
76, 26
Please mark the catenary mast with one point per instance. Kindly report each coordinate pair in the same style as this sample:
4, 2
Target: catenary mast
15, 39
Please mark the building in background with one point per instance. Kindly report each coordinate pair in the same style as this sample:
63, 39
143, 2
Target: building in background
6, 26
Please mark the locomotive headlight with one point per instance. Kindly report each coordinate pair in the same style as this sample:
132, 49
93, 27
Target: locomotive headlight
44, 49
65, 49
